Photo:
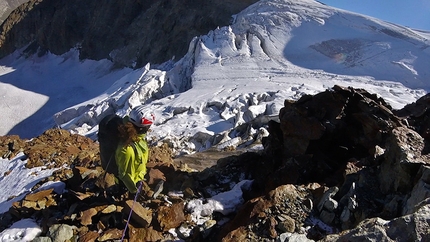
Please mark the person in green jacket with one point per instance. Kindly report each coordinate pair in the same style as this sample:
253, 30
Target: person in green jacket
132, 152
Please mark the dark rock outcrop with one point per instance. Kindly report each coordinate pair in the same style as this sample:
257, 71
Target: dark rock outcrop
127, 32
374, 161
418, 116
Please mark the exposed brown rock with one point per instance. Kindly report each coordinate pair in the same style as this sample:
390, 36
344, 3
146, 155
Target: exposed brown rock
109, 209
10, 146
144, 234
160, 155
86, 216
237, 235
110, 234
154, 176
141, 215
171, 216
106, 181
38, 195
90, 236
34, 202
54, 148
82, 195
29, 204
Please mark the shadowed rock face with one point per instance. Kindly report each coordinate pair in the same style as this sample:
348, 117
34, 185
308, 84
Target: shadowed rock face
418, 114
131, 33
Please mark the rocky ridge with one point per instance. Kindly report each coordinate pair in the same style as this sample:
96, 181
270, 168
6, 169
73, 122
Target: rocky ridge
340, 165
128, 32
8, 6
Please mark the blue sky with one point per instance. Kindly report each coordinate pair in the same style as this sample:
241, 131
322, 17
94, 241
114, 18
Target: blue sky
412, 13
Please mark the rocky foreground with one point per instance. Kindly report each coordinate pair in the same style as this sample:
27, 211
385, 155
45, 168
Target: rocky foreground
341, 165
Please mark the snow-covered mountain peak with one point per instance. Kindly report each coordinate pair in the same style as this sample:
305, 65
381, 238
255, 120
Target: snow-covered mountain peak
315, 36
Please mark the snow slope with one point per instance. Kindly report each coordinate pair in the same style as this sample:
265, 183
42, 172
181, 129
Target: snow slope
33, 89
274, 50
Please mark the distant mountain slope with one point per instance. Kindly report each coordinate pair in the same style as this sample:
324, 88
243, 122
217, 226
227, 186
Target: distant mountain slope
130, 33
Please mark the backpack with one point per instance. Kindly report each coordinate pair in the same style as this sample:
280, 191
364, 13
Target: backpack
108, 137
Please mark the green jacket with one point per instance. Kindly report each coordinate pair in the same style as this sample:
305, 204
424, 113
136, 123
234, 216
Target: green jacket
131, 162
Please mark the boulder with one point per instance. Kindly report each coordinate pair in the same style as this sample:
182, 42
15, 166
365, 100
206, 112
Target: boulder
412, 227
61, 232
420, 193
402, 160
171, 216
141, 215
